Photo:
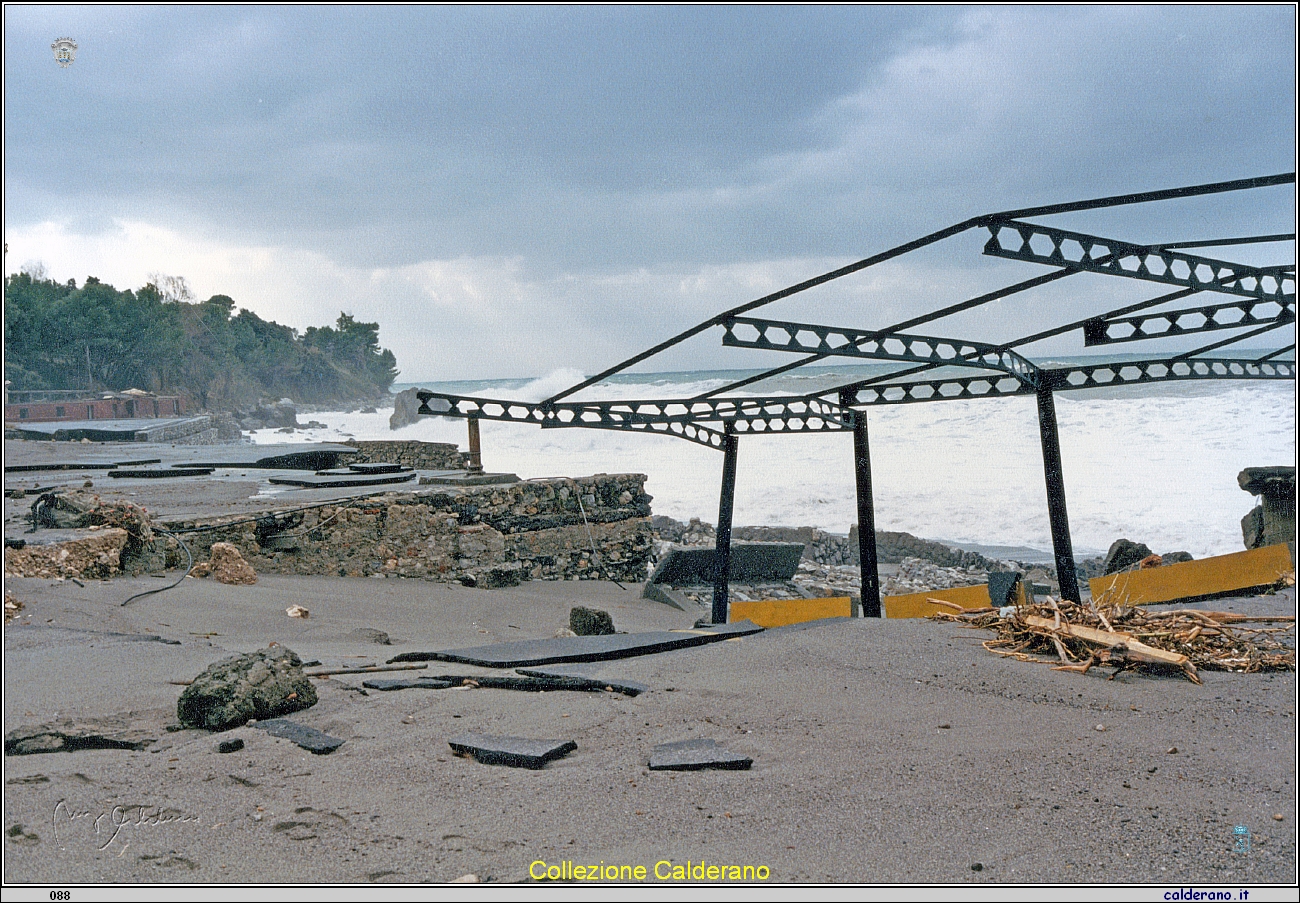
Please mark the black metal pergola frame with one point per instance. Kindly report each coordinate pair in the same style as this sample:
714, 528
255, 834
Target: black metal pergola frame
1250, 300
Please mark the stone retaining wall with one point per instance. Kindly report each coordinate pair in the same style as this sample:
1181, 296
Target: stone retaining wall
484, 534
93, 556
417, 455
828, 548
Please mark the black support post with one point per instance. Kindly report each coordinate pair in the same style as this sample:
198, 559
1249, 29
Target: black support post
866, 518
1055, 479
726, 502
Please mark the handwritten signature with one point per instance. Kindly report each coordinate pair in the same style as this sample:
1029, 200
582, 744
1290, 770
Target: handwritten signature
116, 823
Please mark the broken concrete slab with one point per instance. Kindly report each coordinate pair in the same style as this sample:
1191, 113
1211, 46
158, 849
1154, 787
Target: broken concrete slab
529, 653
617, 684
662, 592
531, 682
336, 481
406, 683
750, 562
159, 473
696, 755
541, 684
517, 752
377, 467
308, 738
120, 732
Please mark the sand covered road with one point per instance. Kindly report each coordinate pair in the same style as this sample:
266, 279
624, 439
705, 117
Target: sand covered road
884, 751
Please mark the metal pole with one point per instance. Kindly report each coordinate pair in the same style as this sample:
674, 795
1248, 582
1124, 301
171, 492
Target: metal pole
866, 519
726, 502
475, 451
1055, 479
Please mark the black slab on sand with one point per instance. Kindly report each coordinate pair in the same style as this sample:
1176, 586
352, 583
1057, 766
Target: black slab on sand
618, 684
406, 683
308, 738
338, 481
517, 752
695, 755
160, 473
530, 653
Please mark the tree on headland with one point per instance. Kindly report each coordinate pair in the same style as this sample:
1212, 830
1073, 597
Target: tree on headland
159, 338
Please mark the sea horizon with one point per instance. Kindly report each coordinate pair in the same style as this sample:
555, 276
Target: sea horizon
1154, 463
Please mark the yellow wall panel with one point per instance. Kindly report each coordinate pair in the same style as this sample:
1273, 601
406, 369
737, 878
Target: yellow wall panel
1188, 579
779, 612
914, 605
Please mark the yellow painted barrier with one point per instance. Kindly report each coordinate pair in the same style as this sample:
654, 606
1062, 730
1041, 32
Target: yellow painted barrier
914, 605
779, 612
1191, 579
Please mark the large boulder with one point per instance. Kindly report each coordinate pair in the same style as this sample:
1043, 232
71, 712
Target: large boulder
590, 622
264, 684
227, 565
406, 407
1273, 520
1124, 554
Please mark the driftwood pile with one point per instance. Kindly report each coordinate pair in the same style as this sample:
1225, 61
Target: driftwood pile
1080, 636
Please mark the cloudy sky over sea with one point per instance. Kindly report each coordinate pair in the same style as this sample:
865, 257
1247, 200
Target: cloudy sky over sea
508, 191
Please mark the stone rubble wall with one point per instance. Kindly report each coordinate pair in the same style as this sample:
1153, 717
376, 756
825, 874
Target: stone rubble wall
92, 556
493, 534
410, 453
825, 548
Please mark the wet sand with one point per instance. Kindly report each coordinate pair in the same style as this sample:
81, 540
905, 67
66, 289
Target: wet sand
884, 751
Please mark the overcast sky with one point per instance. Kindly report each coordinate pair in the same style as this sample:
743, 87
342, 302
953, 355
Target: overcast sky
508, 191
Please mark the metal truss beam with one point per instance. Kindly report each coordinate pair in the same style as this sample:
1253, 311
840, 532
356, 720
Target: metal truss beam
806, 338
1089, 376
448, 405
936, 390
1017, 240
684, 419
1229, 315
1128, 373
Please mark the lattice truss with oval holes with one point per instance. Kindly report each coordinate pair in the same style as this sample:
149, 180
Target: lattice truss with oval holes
701, 420
1262, 299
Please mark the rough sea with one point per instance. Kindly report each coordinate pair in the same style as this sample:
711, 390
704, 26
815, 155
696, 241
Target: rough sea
1156, 464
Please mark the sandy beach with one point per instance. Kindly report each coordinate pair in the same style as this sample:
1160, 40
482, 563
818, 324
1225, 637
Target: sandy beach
884, 751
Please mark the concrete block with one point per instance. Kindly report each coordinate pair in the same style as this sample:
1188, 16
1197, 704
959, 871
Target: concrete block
696, 755
517, 752
308, 738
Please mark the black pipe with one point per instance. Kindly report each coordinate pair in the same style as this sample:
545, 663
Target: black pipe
1055, 479
726, 502
866, 518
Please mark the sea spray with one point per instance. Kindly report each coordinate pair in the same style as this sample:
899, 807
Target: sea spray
1156, 464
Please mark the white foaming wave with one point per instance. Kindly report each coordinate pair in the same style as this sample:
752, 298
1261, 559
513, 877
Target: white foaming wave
649, 390
545, 386
1159, 470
